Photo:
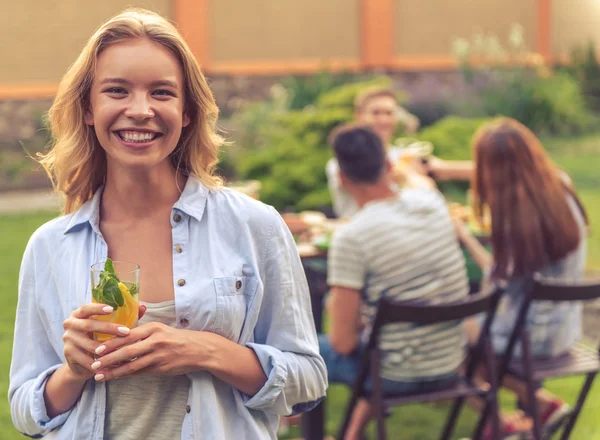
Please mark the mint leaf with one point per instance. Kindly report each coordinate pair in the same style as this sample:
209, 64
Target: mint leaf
97, 294
112, 294
109, 267
132, 287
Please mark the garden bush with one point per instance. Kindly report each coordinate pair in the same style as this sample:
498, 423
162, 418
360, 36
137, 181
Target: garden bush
512, 81
305, 89
584, 67
451, 137
547, 105
289, 151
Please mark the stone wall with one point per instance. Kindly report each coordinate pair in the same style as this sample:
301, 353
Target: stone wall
21, 120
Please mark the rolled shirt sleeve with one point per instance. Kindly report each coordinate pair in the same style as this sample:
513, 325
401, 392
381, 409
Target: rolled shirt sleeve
285, 340
33, 360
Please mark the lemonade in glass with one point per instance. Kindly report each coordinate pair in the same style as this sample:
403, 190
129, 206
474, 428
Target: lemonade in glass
116, 284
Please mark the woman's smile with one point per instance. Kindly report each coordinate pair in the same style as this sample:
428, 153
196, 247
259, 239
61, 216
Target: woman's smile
139, 139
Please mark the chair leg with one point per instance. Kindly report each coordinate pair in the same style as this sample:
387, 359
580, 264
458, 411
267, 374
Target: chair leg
452, 417
531, 386
491, 399
377, 398
580, 400
492, 395
482, 421
348, 415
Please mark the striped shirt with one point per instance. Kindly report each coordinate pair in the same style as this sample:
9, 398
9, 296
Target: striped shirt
405, 248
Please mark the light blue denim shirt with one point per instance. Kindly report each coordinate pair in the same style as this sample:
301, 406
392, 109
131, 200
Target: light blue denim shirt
227, 239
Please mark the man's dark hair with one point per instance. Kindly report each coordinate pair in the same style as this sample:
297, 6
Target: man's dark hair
359, 152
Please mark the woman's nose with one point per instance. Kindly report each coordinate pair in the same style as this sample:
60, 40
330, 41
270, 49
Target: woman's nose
139, 108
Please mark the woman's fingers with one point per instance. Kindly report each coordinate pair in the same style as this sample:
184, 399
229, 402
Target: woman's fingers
88, 310
142, 311
79, 362
81, 341
93, 325
126, 368
137, 334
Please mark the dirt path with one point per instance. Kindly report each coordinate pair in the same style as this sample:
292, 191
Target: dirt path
29, 201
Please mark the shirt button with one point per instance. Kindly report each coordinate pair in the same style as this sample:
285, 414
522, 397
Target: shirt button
181, 282
188, 409
178, 249
184, 323
177, 218
238, 284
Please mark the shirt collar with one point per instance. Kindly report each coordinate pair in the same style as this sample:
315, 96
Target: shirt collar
193, 198
191, 202
89, 212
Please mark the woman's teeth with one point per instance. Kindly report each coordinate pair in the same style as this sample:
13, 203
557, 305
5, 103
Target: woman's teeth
136, 136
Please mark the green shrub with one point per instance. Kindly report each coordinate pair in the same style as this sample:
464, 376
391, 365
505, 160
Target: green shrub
289, 151
451, 137
547, 102
547, 105
584, 67
305, 89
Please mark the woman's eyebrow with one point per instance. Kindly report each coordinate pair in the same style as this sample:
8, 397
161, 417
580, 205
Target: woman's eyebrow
114, 80
164, 82
158, 83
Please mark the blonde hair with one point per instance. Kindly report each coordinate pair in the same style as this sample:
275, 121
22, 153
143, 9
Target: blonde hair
362, 99
76, 162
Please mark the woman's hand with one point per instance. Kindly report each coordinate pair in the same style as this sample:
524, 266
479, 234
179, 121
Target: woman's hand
160, 350
153, 349
462, 231
79, 345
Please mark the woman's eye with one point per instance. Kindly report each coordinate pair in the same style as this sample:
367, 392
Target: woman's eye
163, 92
116, 90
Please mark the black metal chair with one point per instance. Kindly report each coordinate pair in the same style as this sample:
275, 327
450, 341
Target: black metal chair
417, 312
579, 360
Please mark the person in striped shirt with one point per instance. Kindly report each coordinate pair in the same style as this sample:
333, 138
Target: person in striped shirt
399, 244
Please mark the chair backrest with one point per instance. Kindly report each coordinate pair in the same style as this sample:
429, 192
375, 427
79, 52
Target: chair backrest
547, 290
544, 290
421, 313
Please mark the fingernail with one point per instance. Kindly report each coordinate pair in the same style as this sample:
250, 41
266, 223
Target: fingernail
107, 309
99, 377
123, 330
96, 365
101, 349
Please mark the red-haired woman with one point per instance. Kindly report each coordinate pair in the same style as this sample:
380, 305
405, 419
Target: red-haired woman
538, 227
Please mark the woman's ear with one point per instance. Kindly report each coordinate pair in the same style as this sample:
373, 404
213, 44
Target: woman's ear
186, 120
88, 116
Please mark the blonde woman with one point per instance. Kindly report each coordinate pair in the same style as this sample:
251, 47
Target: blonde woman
227, 343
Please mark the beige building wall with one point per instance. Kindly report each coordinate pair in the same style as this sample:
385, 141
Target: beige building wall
428, 27
574, 22
41, 38
243, 30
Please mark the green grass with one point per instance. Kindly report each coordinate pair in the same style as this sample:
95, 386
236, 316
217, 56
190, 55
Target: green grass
15, 230
578, 156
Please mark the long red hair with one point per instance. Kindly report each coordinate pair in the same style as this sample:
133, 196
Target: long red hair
527, 197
